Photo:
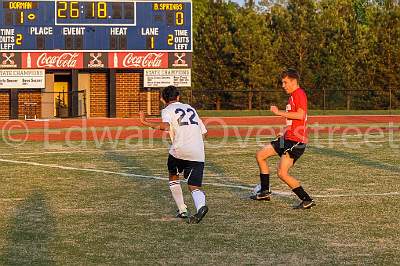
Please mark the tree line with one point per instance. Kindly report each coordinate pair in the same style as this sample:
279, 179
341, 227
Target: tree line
343, 49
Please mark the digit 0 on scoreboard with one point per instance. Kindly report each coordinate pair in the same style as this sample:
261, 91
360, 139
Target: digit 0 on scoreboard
174, 12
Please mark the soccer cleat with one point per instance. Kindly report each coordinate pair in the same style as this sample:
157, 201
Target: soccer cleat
182, 215
195, 219
262, 195
305, 204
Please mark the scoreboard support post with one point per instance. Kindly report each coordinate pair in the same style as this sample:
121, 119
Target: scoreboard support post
73, 95
112, 94
149, 101
14, 104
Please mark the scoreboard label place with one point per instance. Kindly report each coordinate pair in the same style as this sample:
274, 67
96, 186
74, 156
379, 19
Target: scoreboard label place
41, 30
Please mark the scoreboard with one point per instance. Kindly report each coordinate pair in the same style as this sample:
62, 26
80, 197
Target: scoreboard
95, 25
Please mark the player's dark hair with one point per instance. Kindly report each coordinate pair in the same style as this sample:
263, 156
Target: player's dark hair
170, 94
290, 73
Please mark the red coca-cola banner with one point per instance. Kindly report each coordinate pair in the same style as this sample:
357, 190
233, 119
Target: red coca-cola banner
50, 60
138, 60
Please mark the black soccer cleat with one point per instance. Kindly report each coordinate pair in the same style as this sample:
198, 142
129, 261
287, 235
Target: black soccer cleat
262, 195
305, 204
182, 215
195, 219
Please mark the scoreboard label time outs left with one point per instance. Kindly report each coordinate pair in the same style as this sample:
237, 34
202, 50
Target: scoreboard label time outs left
112, 30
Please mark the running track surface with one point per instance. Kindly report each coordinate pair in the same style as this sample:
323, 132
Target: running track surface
116, 128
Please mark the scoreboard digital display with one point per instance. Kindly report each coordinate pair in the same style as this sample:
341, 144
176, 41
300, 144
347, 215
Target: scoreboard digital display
87, 26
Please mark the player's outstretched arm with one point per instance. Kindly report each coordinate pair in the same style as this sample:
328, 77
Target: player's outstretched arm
160, 125
299, 115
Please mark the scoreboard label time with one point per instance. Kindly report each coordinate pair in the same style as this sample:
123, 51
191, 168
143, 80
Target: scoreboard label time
93, 25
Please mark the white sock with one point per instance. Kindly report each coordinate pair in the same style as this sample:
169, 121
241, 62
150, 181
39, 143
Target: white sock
199, 198
177, 194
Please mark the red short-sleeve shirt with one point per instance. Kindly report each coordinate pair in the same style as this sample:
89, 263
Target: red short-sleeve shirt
296, 130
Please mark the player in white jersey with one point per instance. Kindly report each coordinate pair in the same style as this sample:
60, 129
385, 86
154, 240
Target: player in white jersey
186, 154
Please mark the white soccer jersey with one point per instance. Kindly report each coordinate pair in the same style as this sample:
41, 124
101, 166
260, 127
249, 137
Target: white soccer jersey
186, 131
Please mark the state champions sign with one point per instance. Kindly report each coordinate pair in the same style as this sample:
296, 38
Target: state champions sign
22, 78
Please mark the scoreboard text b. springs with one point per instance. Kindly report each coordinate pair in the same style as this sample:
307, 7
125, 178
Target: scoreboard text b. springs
93, 25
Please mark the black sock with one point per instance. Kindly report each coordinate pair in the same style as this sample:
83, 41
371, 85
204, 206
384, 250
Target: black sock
299, 191
264, 179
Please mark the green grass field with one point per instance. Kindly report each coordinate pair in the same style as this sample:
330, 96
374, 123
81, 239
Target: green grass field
86, 205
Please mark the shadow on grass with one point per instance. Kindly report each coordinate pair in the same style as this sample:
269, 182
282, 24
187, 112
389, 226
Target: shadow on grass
31, 230
128, 161
357, 159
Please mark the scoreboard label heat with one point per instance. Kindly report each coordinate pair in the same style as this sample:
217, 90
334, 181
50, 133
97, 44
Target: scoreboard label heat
93, 25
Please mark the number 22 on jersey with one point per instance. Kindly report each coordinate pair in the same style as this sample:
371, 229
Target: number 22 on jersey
183, 114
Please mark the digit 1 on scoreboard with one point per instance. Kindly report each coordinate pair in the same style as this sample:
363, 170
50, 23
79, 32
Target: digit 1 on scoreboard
21, 21
150, 42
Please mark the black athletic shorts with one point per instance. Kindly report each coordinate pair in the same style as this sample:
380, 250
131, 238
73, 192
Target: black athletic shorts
293, 148
192, 170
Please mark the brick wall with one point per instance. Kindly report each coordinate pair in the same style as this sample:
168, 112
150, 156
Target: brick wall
129, 99
127, 94
98, 95
4, 105
155, 103
29, 104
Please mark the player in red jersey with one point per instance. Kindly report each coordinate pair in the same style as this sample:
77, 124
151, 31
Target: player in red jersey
291, 145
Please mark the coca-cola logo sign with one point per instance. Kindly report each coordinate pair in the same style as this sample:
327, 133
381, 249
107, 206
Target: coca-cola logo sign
138, 60
150, 60
68, 60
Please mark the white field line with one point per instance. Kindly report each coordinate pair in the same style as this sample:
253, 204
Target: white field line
213, 146
82, 169
81, 151
278, 193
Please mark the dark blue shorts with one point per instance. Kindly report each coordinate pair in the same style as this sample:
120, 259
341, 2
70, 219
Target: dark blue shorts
192, 170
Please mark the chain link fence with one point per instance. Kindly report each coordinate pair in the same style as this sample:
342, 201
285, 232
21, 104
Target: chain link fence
209, 99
